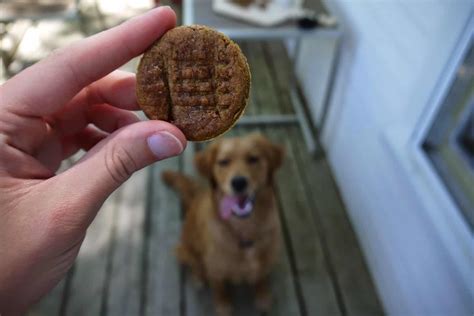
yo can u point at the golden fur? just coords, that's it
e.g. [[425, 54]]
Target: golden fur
[[212, 247]]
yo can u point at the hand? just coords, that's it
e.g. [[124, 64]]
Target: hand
[[70, 100]]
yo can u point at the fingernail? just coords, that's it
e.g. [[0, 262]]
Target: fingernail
[[163, 7], [164, 145]]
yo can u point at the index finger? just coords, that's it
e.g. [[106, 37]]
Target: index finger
[[46, 86]]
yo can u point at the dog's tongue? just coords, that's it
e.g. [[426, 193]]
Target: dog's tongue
[[239, 206]]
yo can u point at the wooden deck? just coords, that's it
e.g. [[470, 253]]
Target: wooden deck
[[126, 265]]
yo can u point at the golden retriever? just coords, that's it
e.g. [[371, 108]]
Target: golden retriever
[[231, 232]]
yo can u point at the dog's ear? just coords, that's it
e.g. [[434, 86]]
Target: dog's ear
[[204, 160], [274, 153]]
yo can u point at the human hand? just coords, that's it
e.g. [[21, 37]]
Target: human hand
[[68, 101]]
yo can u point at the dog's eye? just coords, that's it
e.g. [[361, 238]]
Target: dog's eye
[[223, 162], [253, 159]]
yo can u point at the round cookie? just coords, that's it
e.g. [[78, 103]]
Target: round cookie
[[195, 78]]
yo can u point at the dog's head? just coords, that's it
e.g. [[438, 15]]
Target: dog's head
[[239, 167]]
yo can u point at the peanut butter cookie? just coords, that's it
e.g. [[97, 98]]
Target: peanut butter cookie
[[195, 78]]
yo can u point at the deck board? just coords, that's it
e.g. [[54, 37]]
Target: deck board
[[313, 285], [352, 277], [90, 267], [352, 282], [251, 108], [125, 285], [314, 280], [264, 101], [263, 95], [279, 68], [198, 301], [282, 284], [163, 275]]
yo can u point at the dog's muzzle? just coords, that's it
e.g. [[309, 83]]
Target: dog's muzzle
[[240, 206]]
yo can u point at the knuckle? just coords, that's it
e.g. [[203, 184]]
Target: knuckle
[[73, 74], [119, 163]]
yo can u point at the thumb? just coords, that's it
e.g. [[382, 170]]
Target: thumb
[[112, 161]]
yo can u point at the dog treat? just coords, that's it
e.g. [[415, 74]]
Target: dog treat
[[195, 78]]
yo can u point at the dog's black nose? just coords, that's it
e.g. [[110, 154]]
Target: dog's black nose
[[239, 184]]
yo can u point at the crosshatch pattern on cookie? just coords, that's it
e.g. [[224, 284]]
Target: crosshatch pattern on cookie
[[199, 80]]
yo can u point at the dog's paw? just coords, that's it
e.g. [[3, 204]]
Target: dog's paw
[[263, 301]]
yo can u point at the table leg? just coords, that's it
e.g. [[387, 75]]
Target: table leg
[[297, 104], [332, 78]]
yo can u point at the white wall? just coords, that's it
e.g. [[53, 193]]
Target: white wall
[[313, 68], [396, 55]]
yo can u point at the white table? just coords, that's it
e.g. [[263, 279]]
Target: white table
[[200, 12]]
